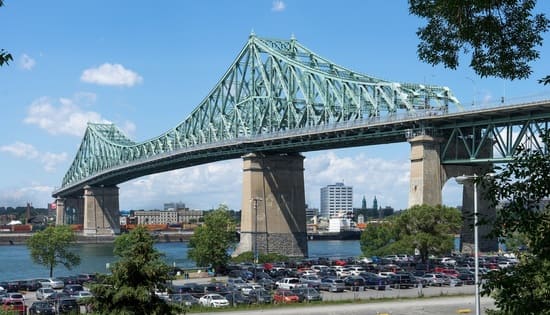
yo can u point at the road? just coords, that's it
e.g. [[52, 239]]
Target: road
[[426, 306]]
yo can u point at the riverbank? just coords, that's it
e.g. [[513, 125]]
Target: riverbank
[[21, 238]]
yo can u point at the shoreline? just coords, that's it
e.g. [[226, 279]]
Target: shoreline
[[21, 238]]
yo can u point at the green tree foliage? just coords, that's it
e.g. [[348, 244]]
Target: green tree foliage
[[139, 272], [377, 238], [522, 188], [430, 229], [51, 247], [501, 35], [5, 56], [211, 242]]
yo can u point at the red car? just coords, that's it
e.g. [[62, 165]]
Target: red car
[[14, 307], [285, 296]]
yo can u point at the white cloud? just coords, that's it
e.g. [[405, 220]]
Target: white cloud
[[48, 160], [388, 180], [206, 186], [111, 74], [20, 150], [200, 187], [64, 118], [36, 194], [51, 160], [129, 128], [278, 6], [26, 62]]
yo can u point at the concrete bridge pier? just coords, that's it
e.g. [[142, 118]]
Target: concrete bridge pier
[[273, 218], [101, 210], [428, 177], [69, 210]]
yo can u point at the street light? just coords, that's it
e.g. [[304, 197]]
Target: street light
[[462, 180], [256, 199]]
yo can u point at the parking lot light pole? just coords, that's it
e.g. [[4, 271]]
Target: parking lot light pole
[[462, 180]]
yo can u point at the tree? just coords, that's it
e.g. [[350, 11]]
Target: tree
[[377, 238], [430, 229], [51, 247], [501, 35], [520, 190], [5, 56], [139, 272], [211, 242]]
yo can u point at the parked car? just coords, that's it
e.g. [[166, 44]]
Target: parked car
[[260, 296], [66, 306], [434, 279], [43, 293], [237, 298], [374, 281], [307, 294], [354, 283], [13, 296], [82, 295], [57, 296], [14, 307], [402, 280], [267, 284], [213, 300], [53, 283], [186, 299], [311, 281], [85, 278], [332, 285], [29, 285], [41, 308], [71, 289], [236, 283], [285, 296]]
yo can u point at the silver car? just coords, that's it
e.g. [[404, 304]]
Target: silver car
[[43, 293]]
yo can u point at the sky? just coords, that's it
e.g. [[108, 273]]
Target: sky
[[145, 65]]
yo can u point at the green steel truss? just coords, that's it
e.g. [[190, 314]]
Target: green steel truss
[[273, 86]]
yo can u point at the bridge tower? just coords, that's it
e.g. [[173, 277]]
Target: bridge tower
[[273, 216], [428, 176]]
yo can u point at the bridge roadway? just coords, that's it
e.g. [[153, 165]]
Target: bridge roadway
[[374, 131]]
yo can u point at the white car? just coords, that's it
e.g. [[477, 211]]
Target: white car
[[213, 300], [53, 283], [43, 293]]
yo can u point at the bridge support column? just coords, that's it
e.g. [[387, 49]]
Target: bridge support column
[[426, 179], [69, 210], [273, 218], [101, 211]]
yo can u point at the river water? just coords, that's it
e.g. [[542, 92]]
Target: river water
[[15, 261]]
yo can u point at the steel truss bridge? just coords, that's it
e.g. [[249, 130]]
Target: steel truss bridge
[[280, 97]]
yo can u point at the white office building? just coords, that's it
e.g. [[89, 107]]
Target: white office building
[[336, 200]]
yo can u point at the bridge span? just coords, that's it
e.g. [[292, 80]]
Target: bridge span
[[279, 99]]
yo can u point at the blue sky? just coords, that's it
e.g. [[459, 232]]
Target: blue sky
[[145, 66]]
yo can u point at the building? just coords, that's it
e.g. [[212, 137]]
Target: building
[[167, 216], [336, 200]]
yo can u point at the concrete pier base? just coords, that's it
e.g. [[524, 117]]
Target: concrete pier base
[[273, 216], [101, 211]]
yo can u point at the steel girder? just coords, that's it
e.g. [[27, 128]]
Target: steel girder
[[273, 86]]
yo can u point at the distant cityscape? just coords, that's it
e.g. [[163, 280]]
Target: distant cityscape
[[336, 214]]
